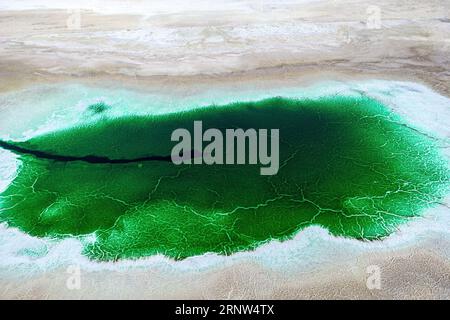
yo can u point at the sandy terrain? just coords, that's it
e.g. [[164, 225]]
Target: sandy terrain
[[420, 271], [259, 39], [180, 50]]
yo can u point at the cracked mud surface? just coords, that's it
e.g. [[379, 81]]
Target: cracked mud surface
[[184, 51], [347, 164]]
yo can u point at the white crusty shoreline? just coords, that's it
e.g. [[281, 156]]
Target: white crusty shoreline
[[194, 54], [312, 251]]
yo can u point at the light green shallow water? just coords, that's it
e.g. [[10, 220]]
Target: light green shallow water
[[347, 164]]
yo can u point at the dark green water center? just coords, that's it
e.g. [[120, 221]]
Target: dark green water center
[[346, 164]]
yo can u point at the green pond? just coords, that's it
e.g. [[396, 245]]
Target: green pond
[[347, 164]]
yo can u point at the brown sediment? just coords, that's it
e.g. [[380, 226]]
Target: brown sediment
[[37, 48]]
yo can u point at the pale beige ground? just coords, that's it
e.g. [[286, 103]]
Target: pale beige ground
[[266, 41], [266, 45], [415, 273]]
